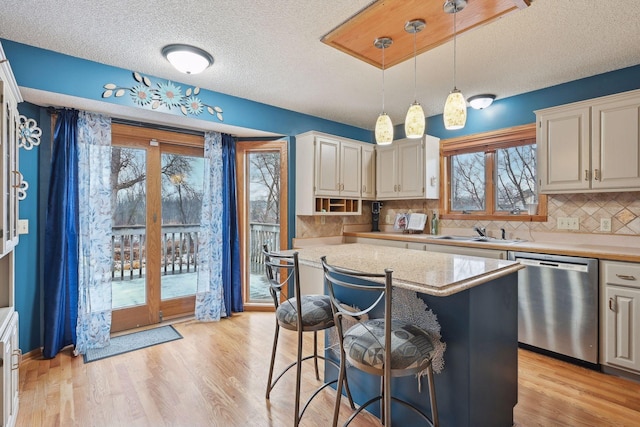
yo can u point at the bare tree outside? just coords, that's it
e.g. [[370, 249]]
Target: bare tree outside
[[515, 180], [468, 182], [265, 186]]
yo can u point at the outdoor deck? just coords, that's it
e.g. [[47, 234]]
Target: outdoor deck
[[179, 262]]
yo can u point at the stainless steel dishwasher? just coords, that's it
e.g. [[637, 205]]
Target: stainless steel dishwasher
[[558, 304]]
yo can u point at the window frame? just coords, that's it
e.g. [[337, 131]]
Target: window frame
[[488, 143]]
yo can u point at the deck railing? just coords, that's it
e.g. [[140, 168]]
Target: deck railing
[[179, 249]]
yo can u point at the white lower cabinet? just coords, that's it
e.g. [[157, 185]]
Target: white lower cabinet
[[10, 365], [621, 314]]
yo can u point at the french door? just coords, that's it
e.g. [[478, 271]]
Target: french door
[[262, 210], [157, 187]]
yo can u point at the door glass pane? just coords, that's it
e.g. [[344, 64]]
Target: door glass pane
[[264, 216], [516, 178], [467, 182], [128, 199], [182, 191]]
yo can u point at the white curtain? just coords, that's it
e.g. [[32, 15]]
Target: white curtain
[[94, 223], [209, 296]]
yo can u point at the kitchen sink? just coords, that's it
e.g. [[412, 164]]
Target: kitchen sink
[[485, 239]]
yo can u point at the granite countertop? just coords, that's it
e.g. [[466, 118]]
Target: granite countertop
[[622, 250], [431, 273]]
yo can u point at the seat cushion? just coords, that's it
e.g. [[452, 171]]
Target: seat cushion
[[411, 347], [316, 313]]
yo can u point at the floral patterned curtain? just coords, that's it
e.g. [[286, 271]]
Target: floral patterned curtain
[[209, 294], [94, 212]]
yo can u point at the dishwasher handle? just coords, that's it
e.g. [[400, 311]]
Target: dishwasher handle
[[554, 265]]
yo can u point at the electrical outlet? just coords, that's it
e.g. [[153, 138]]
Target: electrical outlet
[[568, 223], [323, 219], [573, 223], [605, 224], [387, 219], [561, 223], [23, 226]]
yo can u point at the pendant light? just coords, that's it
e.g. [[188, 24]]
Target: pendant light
[[455, 108], [414, 123], [384, 127]]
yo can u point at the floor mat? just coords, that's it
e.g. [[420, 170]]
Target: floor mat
[[134, 341]]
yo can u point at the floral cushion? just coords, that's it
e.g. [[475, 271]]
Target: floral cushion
[[316, 313], [411, 347]]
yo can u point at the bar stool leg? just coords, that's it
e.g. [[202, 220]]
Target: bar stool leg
[[298, 378], [432, 398], [315, 353], [273, 359]]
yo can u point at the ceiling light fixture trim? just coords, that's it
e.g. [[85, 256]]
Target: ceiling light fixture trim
[[187, 59], [480, 102], [415, 122]]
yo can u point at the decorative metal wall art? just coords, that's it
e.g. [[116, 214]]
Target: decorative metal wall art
[[28, 133], [147, 95]]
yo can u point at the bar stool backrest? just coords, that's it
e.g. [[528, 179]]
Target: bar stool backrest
[[282, 270]]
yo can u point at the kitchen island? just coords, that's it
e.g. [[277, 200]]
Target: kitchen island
[[476, 303]]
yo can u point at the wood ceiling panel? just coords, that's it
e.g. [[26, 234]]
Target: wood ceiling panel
[[387, 18]]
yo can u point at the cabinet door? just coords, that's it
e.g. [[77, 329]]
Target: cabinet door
[[350, 164], [327, 167], [564, 150], [368, 171], [622, 345], [386, 172], [411, 168], [615, 144], [4, 185]]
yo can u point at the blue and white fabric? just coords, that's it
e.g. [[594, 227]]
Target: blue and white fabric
[[209, 294], [94, 240]]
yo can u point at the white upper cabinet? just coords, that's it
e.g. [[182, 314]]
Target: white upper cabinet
[[590, 146], [408, 169], [368, 171], [338, 167], [329, 174], [615, 141]]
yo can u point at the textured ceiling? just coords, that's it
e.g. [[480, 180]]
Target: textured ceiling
[[270, 51]]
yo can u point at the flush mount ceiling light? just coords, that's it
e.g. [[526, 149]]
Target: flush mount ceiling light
[[479, 102], [384, 127], [455, 108], [414, 123], [187, 59]]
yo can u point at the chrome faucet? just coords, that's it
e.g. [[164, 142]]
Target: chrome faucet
[[482, 231]]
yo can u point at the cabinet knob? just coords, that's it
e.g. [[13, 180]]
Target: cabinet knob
[[612, 304]]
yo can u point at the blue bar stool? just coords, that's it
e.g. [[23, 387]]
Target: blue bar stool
[[301, 313], [368, 345]]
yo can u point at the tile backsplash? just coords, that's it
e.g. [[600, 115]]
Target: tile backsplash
[[622, 208]]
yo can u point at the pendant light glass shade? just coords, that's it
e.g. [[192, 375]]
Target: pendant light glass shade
[[455, 107], [384, 130], [455, 111], [384, 127], [414, 123]]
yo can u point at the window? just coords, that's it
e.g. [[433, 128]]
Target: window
[[492, 176]]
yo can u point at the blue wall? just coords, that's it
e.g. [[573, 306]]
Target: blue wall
[[50, 71]]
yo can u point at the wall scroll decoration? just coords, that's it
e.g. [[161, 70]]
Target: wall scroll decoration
[[146, 94], [28, 133], [22, 187]]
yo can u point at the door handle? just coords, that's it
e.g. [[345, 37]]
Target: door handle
[[586, 175], [597, 175], [612, 304], [625, 276]]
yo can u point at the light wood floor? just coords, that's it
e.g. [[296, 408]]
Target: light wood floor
[[216, 376]]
